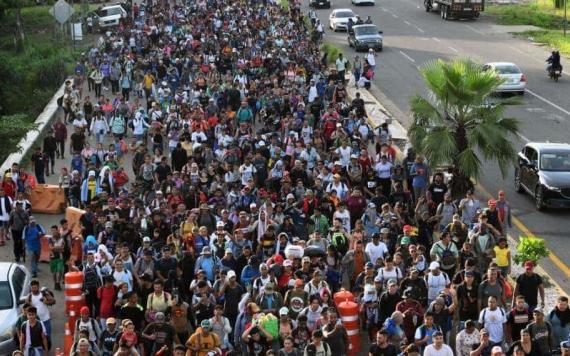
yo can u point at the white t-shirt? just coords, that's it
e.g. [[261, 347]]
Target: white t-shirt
[[436, 284], [43, 311], [383, 170], [344, 154], [493, 321], [445, 350], [376, 251], [345, 217]]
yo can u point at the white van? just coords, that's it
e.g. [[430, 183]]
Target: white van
[[110, 16]]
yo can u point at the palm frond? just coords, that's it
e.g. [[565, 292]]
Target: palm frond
[[469, 164]]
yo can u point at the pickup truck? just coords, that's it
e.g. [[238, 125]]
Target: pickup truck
[[364, 37]]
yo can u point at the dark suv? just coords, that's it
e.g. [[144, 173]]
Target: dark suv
[[543, 170]]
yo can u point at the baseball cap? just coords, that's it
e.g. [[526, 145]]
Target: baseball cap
[[110, 321], [220, 224], [230, 274], [108, 224], [528, 265], [369, 265], [146, 239], [299, 283], [159, 316], [284, 311], [84, 311], [392, 281], [206, 324], [434, 265], [538, 311]]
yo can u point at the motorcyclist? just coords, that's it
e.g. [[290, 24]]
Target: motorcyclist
[[554, 62]]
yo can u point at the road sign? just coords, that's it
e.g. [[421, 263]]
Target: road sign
[[62, 11]]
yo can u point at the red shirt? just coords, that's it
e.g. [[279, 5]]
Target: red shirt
[[107, 297]]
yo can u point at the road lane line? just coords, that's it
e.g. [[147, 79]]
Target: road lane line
[[395, 16], [436, 39], [548, 102], [453, 49], [525, 139], [419, 29], [474, 29], [408, 57], [407, 23], [385, 9]]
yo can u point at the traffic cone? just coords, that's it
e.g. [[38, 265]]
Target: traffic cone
[[68, 340], [58, 352]]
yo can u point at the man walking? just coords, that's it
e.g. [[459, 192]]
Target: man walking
[[50, 147], [39, 160], [32, 235], [18, 221]]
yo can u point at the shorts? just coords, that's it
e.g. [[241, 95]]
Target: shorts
[[56, 265]]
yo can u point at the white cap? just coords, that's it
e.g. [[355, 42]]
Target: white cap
[[146, 239], [230, 274], [283, 311], [434, 265], [92, 174], [220, 224]]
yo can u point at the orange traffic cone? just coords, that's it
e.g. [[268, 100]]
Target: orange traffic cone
[[68, 340]]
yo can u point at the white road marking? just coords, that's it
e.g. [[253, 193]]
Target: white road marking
[[454, 49], [395, 16], [525, 139], [535, 109], [517, 49], [407, 23], [547, 101], [418, 6], [419, 29], [436, 39], [385, 9], [474, 29], [408, 57]]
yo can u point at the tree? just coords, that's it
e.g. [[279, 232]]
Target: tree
[[12, 129], [456, 125], [19, 34]]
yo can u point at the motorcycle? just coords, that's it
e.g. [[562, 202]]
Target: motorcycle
[[554, 73]]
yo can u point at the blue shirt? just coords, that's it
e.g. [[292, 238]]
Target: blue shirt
[[32, 235]]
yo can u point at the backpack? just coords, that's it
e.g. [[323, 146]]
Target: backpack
[[340, 242], [90, 277], [92, 320], [447, 257], [485, 313]]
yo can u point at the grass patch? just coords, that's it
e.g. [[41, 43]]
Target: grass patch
[[538, 13], [284, 4], [552, 38]]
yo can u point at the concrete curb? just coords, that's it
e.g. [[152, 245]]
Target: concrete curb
[[43, 120]]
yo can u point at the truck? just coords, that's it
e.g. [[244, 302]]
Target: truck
[[455, 9]]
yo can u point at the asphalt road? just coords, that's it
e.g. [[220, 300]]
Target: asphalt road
[[413, 37]]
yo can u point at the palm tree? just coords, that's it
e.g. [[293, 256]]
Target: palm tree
[[455, 125]]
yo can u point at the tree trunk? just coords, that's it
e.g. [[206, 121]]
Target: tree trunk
[[19, 31], [460, 183], [558, 4]]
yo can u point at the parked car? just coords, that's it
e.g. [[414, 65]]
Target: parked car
[[14, 285], [514, 78], [324, 4], [110, 16], [364, 37], [338, 19], [543, 171]]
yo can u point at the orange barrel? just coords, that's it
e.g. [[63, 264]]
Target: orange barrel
[[67, 341], [349, 315], [73, 294], [343, 296]]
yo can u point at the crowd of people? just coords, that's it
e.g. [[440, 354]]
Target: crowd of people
[[257, 191]]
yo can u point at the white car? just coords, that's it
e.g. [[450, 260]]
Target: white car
[[338, 19], [110, 16], [363, 2], [14, 285], [514, 78]]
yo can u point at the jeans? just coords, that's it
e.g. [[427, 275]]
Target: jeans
[[99, 137], [34, 351], [18, 244], [47, 325], [34, 259]]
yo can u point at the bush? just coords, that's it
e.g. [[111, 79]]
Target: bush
[[530, 249], [12, 129], [527, 14], [331, 51]]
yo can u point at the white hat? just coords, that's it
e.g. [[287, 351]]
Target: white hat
[[92, 174], [284, 311], [146, 239], [220, 224], [434, 265], [230, 274]]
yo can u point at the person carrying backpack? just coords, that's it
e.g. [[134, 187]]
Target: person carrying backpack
[[89, 323], [446, 253], [494, 319]]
